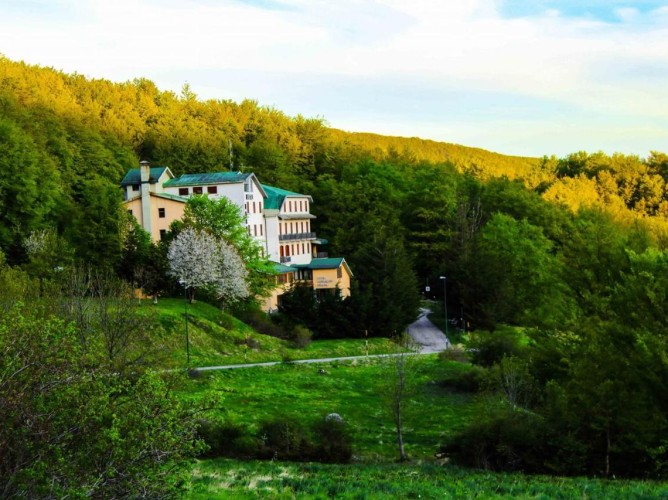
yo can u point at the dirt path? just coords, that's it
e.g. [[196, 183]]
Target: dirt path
[[427, 335]]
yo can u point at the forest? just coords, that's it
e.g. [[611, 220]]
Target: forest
[[574, 250]]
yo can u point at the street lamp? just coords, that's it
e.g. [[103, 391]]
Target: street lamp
[[445, 304], [185, 302]]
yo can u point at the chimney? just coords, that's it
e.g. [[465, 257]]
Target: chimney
[[145, 173], [145, 170]]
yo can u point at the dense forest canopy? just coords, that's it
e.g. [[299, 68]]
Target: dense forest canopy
[[573, 248]]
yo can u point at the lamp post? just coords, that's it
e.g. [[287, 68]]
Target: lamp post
[[185, 302], [445, 304]]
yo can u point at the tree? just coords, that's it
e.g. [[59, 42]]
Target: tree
[[198, 260], [225, 222], [398, 386], [70, 430], [516, 276]]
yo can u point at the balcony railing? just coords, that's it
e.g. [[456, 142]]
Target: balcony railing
[[296, 236], [320, 255]]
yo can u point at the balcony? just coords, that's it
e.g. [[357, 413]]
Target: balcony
[[296, 236], [285, 259], [320, 255]]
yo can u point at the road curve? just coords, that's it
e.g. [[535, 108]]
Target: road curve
[[424, 333]]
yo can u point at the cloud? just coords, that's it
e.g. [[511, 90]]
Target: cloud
[[595, 59]]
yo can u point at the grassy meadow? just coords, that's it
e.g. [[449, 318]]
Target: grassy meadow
[[254, 479], [357, 390], [217, 338]]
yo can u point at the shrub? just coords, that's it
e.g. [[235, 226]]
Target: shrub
[[333, 441], [506, 441], [301, 336], [473, 380], [220, 438], [286, 439], [262, 323], [488, 348], [454, 354]]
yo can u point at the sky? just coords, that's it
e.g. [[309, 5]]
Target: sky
[[520, 77]]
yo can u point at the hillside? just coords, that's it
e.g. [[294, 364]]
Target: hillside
[[217, 338]]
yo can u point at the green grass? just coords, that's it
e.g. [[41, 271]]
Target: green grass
[[217, 338], [234, 479], [355, 390]]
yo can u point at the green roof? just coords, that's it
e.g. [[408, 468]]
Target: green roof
[[134, 176], [326, 263], [275, 197], [171, 197], [281, 269], [210, 178]]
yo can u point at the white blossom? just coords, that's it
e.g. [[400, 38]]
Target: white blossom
[[198, 259]]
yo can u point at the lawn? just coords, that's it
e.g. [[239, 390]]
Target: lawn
[[234, 479], [217, 338], [356, 390]]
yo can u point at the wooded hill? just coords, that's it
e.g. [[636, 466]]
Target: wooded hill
[[574, 248]]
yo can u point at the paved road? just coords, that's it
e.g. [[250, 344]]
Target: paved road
[[422, 331], [296, 361], [427, 335]]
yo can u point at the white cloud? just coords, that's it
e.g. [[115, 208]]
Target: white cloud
[[581, 62]]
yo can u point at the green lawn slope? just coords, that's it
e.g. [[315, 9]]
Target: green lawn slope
[[218, 338]]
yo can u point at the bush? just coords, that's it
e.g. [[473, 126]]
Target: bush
[[473, 380], [262, 323], [507, 441], [489, 348], [454, 354], [333, 441], [219, 438], [301, 336], [286, 439]]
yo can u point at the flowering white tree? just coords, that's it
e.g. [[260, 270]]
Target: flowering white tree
[[232, 282], [198, 259]]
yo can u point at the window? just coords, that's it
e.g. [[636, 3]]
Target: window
[[135, 187], [287, 250], [130, 212], [212, 189], [303, 248], [248, 186], [184, 191], [253, 207], [261, 233], [254, 230], [161, 213], [339, 272], [301, 208], [247, 208], [259, 206], [197, 190], [163, 233]]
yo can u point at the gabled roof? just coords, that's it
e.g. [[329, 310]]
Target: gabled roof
[[276, 196], [209, 178], [172, 197], [167, 196], [325, 263], [134, 176]]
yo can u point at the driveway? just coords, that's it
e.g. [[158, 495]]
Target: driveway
[[424, 333]]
